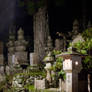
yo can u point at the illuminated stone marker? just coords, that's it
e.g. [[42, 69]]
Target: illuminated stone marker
[[72, 66]]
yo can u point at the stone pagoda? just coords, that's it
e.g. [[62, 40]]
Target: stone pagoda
[[20, 47]]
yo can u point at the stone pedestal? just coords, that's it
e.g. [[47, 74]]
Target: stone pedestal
[[21, 58]]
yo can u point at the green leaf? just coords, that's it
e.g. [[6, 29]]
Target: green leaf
[[83, 52]]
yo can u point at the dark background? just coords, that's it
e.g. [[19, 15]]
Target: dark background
[[60, 18]]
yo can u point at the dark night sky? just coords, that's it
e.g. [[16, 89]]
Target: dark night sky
[[61, 18]]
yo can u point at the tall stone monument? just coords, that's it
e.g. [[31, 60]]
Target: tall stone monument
[[75, 30], [1, 54], [11, 46], [41, 32], [2, 75], [20, 47], [59, 44]]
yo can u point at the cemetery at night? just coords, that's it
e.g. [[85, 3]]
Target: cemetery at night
[[45, 46]]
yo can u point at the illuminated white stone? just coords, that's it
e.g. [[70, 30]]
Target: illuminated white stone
[[48, 65], [67, 64]]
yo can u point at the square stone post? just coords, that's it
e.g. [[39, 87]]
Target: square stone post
[[33, 59], [72, 66]]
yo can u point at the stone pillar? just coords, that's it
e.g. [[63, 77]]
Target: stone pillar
[[75, 30], [41, 32], [33, 59], [2, 73], [49, 59], [72, 66], [59, 44], [20, 47], [11, 46], [89, 76], [1, 54]]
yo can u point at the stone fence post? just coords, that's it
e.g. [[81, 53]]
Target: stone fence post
[[72, 66]]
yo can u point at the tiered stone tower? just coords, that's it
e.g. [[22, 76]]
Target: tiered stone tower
[[20, 47]]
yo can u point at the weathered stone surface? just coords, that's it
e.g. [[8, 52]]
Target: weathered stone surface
[[75, 30], [41, 32], [21, 58], [47, 67], [1, 59], [59, 44], [21, 43], [78, 38], [20, 47], [33, 59], [2, 74], [62, 85], [7, 70], [10, 59], [72, 66], [40, 84], [17, 83], [1, 53], [1, 47]]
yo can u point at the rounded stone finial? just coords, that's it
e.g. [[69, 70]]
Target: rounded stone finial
[[20, 34], [20, 31], [75, 23]]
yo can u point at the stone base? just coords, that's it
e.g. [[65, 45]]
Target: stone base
[[21, 58], [2, 74], [40, 84], [1, 59], [33, 59]]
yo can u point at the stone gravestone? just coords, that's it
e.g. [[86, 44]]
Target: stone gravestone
[[59, 44], [41, 32], [72, 66], [40, 84], [11, 59], [33, 59], [11, 46], [1, 59], [2, 74], [1, 54], [20, 47]]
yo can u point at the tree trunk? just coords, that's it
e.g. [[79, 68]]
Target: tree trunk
[[41, 32]]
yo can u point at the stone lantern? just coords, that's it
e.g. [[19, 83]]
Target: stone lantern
[[49, 59], [72, 66]]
